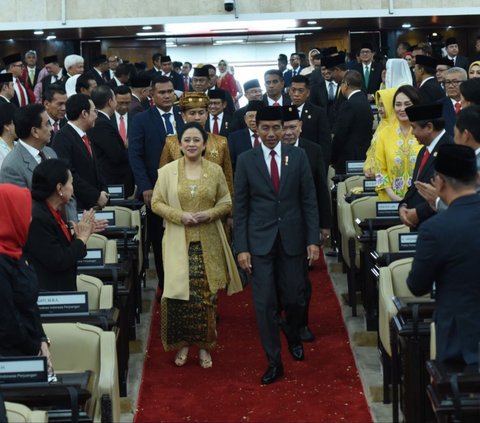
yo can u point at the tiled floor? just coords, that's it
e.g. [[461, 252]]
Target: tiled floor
[[363, 346]]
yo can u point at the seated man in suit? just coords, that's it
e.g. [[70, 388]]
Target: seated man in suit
[[33, 131], [245, 139], [72, 144], [218, 121], [445, 256], [425, 69], [428, 127], [353, 126], [275, 230], [292, 134], [109, 147]]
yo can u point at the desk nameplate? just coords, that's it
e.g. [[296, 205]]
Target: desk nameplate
[[63, 303]]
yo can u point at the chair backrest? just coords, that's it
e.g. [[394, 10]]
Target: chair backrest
[[100, 296], [76, 347], [363, 208], [109, 247], [387, 240], [123, 215], [19, 413], [354, 181], [400, 270]]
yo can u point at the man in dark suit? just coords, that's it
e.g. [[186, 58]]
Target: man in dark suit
[[156, 68], [275, 229], [56, 74], [370, 70], [247, 138], [30, 73], [428, 127], [353, 126], [451, 45], [6, 88], [274, 84], [292, 128], [121, 76], [425, 69], [185, 74], [141, 87], [14, 65], [296, 69], [72, 144], [85, 84], [252, 91], [166, 66], [315, 126], [33, 130], [99, 67], [446, 255], [146, 139], [54, 101], [218, 121], [121, 118], [454, 77], [110, 149]]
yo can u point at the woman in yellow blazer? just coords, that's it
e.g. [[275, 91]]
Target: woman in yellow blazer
[[191, 195]]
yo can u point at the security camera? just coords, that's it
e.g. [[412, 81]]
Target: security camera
[[229, 5]]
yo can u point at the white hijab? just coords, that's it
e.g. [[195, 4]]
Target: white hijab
[[398, 73]]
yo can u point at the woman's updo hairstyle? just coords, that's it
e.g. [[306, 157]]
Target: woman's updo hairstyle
[[46, 176]]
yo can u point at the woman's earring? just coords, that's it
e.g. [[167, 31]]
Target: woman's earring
[[61, 194]]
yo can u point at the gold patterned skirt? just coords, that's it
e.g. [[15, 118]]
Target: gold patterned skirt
[[191, 322]]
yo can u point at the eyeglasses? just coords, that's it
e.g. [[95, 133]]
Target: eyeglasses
[[454, 82]]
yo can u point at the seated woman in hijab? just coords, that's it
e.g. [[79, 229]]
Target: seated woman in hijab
[[51, 247], [21, 332]]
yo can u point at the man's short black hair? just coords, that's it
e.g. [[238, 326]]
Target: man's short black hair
[[161, 79], [156, 57], [124, 69], [82, 82], [273, 72], [101, 96], [301, 79], [353, 79], [7, 112], [26, 118], [469, 119], [122, 89], [52, 90], [76, 104], [470, 90]]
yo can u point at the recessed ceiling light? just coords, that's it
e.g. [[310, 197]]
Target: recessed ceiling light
[[312, 22], [406, 25], [51, 37], [146, 28], [434, 34], [300, 28], [228, 42], [149, 34], [39, 32]]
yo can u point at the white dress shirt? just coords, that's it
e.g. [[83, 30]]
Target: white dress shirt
[[32, 150], [171, 118], [268, 157]]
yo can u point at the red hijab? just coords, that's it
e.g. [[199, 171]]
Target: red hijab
[[15, 218]]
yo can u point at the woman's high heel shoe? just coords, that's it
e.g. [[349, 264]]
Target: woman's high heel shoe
[[205, 359], [181, 357]]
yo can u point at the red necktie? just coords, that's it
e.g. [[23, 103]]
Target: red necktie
[[122, 130], [274, 171], [256, 142], [23, 99], [458, 107], [215, 125], [185, 84], [276, 104], [87, 144], [425, 157]]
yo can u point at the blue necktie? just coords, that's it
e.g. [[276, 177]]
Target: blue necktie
[[168, 124]]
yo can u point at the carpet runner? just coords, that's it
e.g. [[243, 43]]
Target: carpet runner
[[323, 388]]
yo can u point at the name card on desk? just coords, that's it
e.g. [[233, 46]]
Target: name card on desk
[[387, 208], [117, 192], [23, 369], [369, 185], [407, 241], [354, 167], [93, 258], [102, 215], [63, 303]]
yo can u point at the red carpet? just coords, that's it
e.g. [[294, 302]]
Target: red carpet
[[323, 388]]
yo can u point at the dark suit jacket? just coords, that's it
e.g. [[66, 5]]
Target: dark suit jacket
[[288, 75], [431, 91], [111, 153], [315, 127], [47, 81], [238, 119], [238, 142], [21, 325], [136, 107], [352, 131], [146, 139], [316, 77], [445, 255], [97, 77], [53, 256], [316, 160], [319, 94], [225, 129], [449, 115], [412, 198], [87, 179], [230, 109], [375, 78], [462, 62], [261, 214]]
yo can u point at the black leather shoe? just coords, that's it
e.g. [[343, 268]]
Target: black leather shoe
[[296, 350], [272, 374], [306, 334]]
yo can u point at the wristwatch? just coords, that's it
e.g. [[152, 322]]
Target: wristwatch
[[45, 339]]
